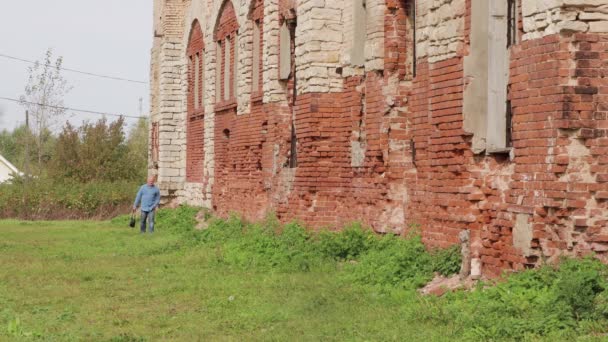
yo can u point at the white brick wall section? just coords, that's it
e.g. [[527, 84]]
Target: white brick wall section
[[542, 18], [440, 28]]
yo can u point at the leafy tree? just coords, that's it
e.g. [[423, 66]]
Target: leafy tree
[[8, 146], [12, 147], [100, 151], [43, 98], [138, 148], [65, 162]]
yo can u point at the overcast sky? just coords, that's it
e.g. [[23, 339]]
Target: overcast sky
[[111, 37]]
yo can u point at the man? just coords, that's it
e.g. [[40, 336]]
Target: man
[[149, 198]]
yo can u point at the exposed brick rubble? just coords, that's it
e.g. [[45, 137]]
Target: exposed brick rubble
[[345, 124]]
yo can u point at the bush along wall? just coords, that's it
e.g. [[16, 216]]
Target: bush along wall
[[45, 199]]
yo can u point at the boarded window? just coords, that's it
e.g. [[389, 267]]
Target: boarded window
[[257, 51], [202, 79], [284, 52], [218, 72], [498, 77], [235, 73], [227, 53], [190, 78], [487, 112], [357, 55], [197, 80]]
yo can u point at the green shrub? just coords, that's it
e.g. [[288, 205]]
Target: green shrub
[[578, 284], [256, 246], [553, 303], [395, 261], [347, 244], [447, 261], [43, 198], [550, 301]]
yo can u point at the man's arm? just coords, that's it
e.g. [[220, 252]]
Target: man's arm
[[157, 201], [137, 199]]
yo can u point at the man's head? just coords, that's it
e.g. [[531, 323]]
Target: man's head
[[151, 180]]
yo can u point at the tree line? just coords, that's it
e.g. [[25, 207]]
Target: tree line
[[95, 151]]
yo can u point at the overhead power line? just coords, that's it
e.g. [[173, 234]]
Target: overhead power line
[[78, 71], [73, 109]]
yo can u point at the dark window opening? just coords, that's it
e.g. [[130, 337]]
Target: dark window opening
[[227, 133], [512, 23], [509, 142], [293, 155], [413, 149]]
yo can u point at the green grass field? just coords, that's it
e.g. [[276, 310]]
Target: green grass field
[[92, 281], [96, 281]]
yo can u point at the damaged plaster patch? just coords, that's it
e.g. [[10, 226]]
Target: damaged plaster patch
[[579, 168], [285, 186], [357, 153], [522, 234]]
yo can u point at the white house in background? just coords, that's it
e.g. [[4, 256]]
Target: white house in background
[[7, 170]]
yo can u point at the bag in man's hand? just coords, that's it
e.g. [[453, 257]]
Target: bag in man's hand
[[132, 221]]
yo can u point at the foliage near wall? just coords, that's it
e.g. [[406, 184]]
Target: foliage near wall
[[91, 171], [553, 303], [46, 199]]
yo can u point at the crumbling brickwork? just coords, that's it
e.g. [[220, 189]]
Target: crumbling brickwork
[[452, 115]]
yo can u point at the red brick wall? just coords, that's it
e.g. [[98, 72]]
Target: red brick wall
[[195, 135], [398, 37], [558, 93], [417, 165]]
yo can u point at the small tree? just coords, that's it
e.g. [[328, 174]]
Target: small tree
[[66, 160], [12, 146], [138, 149], [43, 98], [99, 152]]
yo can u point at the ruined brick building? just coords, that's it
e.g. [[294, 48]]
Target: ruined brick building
[[488, 116]]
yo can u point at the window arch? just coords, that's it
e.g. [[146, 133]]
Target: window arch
[[226, 38], [195, 54]]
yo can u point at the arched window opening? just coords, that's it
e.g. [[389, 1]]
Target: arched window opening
[[226, 37], [257, 56], [195, 54], [195, 108]]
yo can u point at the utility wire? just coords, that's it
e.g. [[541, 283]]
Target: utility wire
[[78, 71], [74, 109]]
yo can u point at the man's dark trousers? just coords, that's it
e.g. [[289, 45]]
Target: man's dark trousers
[[147, 215]]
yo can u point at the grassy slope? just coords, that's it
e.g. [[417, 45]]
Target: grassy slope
[[96, 281]]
